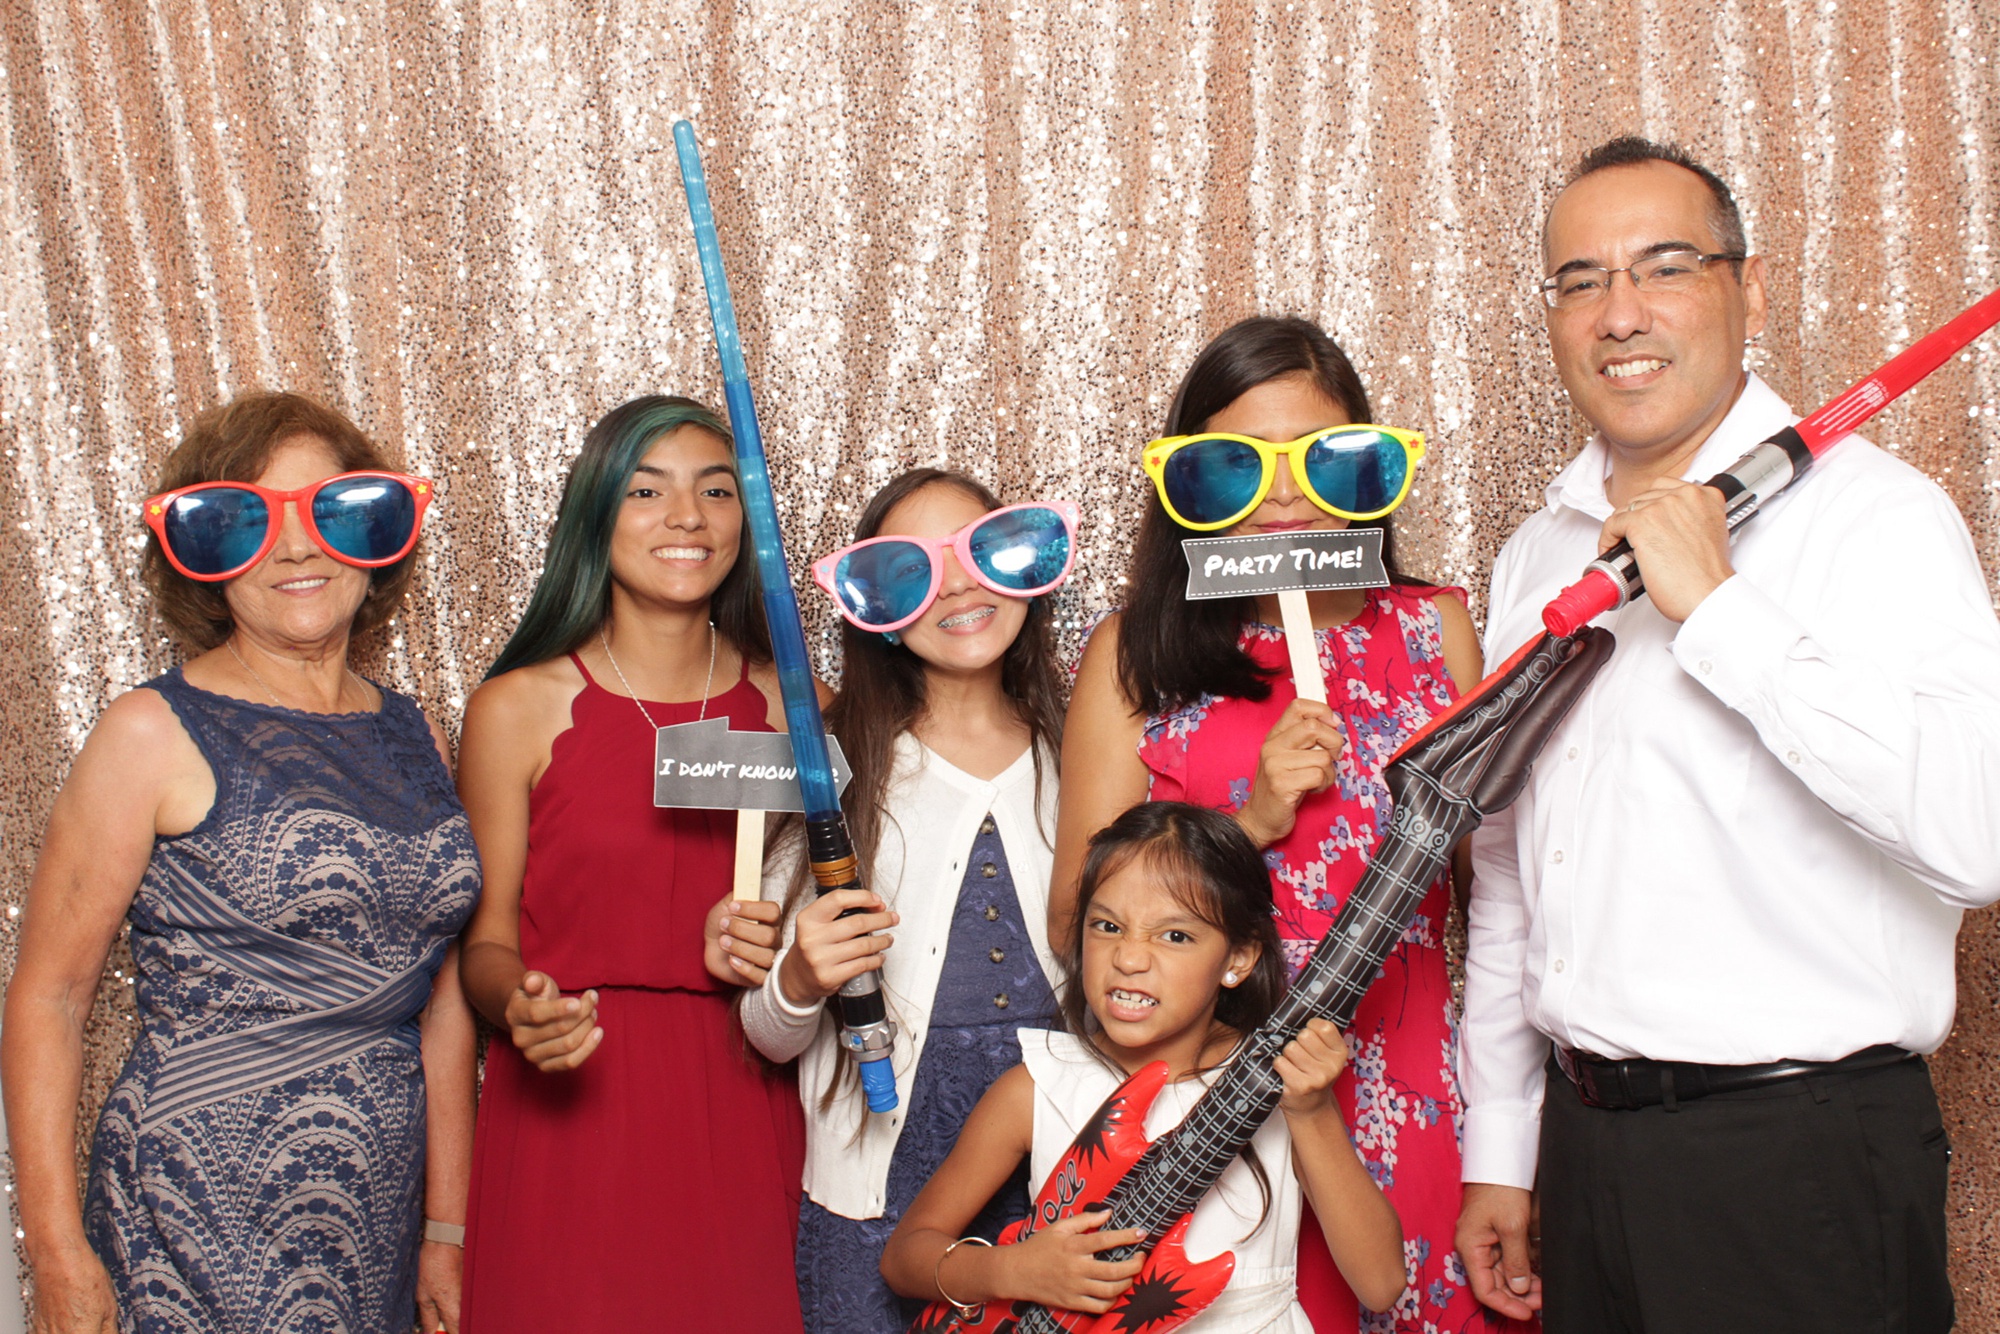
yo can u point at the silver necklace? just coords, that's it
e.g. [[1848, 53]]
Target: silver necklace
[[231, 646], [706, 686]]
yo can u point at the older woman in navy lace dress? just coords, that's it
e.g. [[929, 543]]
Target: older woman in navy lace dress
[[283, 837]]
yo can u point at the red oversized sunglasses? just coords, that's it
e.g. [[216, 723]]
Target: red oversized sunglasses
[[213, 531]]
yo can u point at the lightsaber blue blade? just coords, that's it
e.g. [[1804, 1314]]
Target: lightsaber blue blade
[[866, 1031]]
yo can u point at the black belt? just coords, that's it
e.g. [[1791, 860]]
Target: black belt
[[1628, 1085]]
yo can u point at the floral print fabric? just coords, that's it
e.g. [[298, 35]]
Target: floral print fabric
[[1386, 678]]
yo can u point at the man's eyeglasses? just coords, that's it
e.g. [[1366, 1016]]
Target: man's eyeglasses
[[1668, 271]]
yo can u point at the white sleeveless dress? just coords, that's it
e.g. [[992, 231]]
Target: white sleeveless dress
[[1071, 1083]]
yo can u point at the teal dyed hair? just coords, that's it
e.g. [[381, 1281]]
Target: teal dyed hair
[[573, 596]]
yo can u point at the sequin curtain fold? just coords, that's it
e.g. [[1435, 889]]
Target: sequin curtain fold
[[978, 235]]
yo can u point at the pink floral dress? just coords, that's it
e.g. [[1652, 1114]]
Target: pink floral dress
[[1385, 678]]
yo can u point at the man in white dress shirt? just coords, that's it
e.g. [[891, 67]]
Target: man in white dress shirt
[[1729, 895]]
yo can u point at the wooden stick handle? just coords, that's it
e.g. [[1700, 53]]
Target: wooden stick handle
[[749, 879], [1302, 644]]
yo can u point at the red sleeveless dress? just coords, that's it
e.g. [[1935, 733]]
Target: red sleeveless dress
[[1385, 678], [656, 1186]]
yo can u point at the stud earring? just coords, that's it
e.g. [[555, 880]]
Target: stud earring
[[891, 637], [1229, 978]]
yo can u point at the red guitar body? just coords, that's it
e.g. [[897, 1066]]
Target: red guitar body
[[1167, 1293]]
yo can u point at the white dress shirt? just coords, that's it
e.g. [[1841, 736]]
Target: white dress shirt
[[1753, 838], [932, 813]]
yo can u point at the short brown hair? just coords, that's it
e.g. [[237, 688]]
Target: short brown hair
[[234, 443]]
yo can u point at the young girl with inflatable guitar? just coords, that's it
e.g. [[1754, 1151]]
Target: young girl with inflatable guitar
[[1174, 958]]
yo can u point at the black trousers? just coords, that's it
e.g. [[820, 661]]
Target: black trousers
[[1816, 1205]]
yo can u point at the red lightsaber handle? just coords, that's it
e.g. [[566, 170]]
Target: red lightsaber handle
[[1613, 579]]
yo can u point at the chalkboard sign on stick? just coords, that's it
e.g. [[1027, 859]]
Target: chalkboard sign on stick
[[1290, 565], [707, 766]]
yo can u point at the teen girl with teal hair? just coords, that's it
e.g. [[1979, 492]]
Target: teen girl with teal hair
[[623, 1129]]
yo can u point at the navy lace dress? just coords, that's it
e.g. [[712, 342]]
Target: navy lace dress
[[991, 987], [259, 1163]]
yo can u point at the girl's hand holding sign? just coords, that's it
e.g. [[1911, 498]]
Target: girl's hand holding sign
[[1297, 759]]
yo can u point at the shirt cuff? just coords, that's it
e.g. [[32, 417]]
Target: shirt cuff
[[1736, 642], [1501, 1146]]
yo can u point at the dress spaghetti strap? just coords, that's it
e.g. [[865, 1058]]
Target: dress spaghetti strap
[[588, 679]]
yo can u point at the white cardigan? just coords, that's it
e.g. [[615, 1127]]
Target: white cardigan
[[932, 814]]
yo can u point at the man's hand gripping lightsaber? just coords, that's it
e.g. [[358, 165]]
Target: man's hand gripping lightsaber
[[866, 1031], [1613, 579]]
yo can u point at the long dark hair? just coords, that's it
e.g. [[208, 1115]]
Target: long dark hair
[[573, 594], [1172, 651], [882, 695], [882, 684], [1215, 871]]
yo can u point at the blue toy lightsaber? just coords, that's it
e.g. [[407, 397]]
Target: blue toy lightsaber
[[865, 1028]]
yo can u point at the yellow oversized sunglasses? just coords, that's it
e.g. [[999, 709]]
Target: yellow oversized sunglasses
[[1214, 479]]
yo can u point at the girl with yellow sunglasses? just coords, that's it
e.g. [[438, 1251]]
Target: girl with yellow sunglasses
[[1194, 701]]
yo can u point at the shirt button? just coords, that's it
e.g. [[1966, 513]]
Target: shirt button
[[1000, 1001], [1574, 752], [1556, 856], [992, 913], [986, 826], [997, 954], [1559, 965], [1792, 755], [1706, 666], [989, 870]]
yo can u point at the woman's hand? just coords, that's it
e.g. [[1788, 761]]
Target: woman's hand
[[1297, 759], [1309, 1064], [440, 1268], [739, 940], [1058, 1265], [828, 950], [73, 1295], [554, 1031]]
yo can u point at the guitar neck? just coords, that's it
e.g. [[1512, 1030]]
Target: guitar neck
[[1171, 1177]]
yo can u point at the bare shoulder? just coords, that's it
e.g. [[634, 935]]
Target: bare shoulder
[[140, 727], [526, 694], [1457, 619], [1462, 656], [519, 714], [139, 762], [1097, 670], [1102, 642], [1017, 1085], [1007, 1111]]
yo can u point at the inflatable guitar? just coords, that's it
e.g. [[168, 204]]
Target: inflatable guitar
[[1469, 762]]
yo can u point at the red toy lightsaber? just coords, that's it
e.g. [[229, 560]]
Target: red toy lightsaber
[[1613, 579]]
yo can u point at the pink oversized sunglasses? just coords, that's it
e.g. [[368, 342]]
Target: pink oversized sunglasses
[[1019, 551]]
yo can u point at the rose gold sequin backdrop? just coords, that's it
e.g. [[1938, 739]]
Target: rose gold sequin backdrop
[[958, 233]]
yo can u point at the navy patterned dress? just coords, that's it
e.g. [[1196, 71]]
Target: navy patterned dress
[[991, 987], [259, 1164]]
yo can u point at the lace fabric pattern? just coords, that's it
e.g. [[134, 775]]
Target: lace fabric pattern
[[972, 1041], [259, 1163]]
